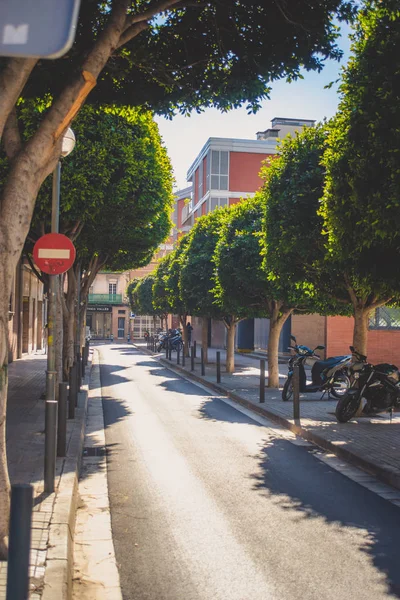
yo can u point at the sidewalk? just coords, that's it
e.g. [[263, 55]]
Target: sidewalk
[[372, 444], [25, 453]]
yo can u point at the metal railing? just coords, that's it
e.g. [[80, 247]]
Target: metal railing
[[105, 298]]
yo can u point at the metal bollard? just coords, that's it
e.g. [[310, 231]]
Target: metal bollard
[[83, 362], [62, 419], [72, 396], [203, 367], [183, 354], [192, 358], [296, 392], [178, 353], [218, 367], [50, 445], [195, 348], [262, 380], [166, 348], [78, 375], [19, 542], [86, 353], [170, 351]]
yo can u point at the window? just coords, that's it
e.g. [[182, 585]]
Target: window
[[385, 318], [121, 312], [217, 178], [112, 289], [216, 203]]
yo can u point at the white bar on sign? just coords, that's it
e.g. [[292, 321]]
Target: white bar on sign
[[53, 253]]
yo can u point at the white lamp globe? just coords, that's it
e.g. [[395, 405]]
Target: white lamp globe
[[68, 142]]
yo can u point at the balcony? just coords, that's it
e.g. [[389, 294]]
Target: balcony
[[105, 298]]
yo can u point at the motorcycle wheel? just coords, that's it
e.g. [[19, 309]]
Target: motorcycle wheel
[[287, 392], [347, 407], [343, 382]]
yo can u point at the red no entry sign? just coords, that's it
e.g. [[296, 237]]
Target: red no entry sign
[[54, 253]]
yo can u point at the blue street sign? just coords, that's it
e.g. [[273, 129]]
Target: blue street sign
[[42, 28]]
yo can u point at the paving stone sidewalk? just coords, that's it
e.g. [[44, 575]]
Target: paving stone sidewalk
[[25, 453], [370, 443]]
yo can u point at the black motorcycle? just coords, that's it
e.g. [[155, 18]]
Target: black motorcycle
[[377, 385], [330, 375]]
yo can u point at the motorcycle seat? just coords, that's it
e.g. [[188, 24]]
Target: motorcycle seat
[[329, 363]]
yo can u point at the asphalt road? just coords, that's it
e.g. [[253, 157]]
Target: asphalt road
[[207, 504]]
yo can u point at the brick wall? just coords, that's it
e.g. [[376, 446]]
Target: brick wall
[[383, 346], [243, 171], [309, 330]]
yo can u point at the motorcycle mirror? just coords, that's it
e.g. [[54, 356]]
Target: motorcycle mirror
[[320, 348], [293, 338], [352, 348]]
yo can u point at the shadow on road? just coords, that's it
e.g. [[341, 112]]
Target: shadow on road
[[302, 494]]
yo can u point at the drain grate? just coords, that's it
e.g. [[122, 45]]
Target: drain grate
[[95, 451]]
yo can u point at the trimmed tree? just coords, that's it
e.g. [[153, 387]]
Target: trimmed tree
[[361, 201], [244, 284], [140, 294], [197, 272], [293, 245]]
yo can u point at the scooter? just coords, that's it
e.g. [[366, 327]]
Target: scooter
[[330, 375]]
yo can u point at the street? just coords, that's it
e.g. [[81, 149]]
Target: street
[[207, 503]]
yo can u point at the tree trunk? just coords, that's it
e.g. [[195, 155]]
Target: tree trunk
[[4, 479], [83, 324], [204, 338], [230, 347], [276, 323], [182, 320], [360, 332], [59, 337]]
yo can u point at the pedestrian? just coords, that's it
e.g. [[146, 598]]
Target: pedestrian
[[189, 330]]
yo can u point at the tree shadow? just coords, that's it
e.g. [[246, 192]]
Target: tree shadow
[[109, 375], [310, 489], [304, 487]]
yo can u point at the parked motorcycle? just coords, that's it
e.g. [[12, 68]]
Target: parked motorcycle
[[173, 337], [330, 375], [377, 385]]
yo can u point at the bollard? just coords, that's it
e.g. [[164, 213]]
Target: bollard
[[170, 351], [296, 392], [262, 380], [62, 418], [218, 367], [83, 362], [86, 353], [19, 542], [72, 396], [178, 353], [183, 354], [50, 445], [166, 348], [192, 358], [195, 348], [203, 367], [78, 375]]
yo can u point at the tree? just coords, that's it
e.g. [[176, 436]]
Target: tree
[[196, 281], [140, 294], [361, 201], [119, 175], [140, 50], [167, 297], [295, 260]]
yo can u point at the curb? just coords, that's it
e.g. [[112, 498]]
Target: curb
[[60, 553], [386, 475]]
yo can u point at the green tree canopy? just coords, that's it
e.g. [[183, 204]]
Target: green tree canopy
[[198, 53], [361, 202]]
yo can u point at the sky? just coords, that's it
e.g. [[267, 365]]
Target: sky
[[184, 137]]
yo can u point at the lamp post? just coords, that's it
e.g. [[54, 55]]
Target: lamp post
[[51, 417], [68, 144]]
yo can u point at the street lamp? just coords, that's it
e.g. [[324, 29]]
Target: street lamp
[[68, 143]]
